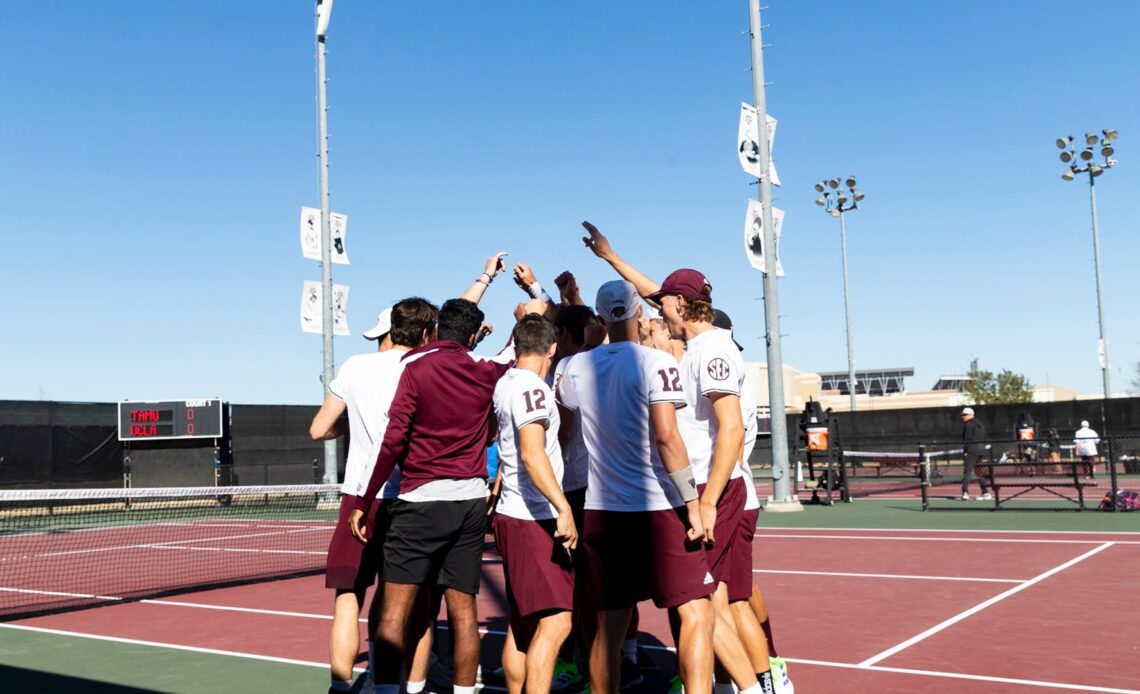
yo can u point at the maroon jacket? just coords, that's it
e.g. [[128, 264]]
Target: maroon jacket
[[439, 420]]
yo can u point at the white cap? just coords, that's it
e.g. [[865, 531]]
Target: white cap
[[617, 301], [383, 326], [968, 410], [1085, 423]]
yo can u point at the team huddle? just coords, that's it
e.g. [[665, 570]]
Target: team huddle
[[623, 444]]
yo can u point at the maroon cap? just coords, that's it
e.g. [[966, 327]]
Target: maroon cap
[[687, 283]]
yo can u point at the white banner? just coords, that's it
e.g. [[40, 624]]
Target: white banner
[[748, 143], [754, 237], [311, 305], [311, 235]]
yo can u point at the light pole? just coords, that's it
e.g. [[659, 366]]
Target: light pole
[[781, 488], [836, 203], [324, 13], [1070, 156]]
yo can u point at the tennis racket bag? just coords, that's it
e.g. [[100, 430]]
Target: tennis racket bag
[[1126, 500]]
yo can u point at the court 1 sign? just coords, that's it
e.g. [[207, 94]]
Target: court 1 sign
[[154, 420]]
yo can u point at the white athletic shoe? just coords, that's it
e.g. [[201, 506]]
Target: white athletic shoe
[[986, 497], [965, 496], [781, 683]]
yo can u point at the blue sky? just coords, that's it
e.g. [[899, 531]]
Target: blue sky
[[157, 154]]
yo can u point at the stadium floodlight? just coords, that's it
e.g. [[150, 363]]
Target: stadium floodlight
[[836, 206], [820, 186], [1086, 165], [1063, 142], [1067, 155]]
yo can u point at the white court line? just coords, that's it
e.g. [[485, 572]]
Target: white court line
[[981, 606], [964, 530], [31, 591], [858, 575], [964, 676], [231, 608], [157, 545], [1010, 540]]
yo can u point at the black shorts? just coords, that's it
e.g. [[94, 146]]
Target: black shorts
[[437, 543]]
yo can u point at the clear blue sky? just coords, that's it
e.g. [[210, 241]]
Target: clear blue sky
[[156, 156]]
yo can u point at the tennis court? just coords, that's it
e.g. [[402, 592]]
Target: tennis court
[[855, 607]]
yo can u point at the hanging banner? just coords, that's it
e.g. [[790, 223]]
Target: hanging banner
[[311, 235], [311, 304], [754, 237], [748, 143]]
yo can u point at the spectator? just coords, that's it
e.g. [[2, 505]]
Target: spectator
[[974, 445], [1085, 441]]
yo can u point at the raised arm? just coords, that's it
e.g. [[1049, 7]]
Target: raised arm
[[492, 267], [568, 291], [600, 246]]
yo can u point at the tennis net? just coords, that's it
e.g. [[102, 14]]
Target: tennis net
[[73, 548]]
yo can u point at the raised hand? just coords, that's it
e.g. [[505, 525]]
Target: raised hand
[[495, 264], [596, 242], [524, 276]]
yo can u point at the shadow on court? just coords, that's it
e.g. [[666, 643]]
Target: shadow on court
[[19, 679]]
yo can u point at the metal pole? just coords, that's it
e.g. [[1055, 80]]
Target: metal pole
[[782, 498], [1102, 347], [326, 249], [847, 310]]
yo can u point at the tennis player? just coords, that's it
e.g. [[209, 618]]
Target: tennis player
[[534, 524], [363, 388], [642, 526]]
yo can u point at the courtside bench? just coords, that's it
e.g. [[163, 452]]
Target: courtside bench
[[1048, 476]]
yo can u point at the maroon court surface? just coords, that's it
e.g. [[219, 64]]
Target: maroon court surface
[[852, 610]]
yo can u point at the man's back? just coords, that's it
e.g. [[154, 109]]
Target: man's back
[[439, 419], [366, 383], [610, 389]]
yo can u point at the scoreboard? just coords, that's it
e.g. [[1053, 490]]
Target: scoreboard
[[153, 420]]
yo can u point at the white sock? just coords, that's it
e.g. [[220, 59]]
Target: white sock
[[372, 656], [754, 689], [629, 650], [722, 688], [463, 690], [415, 687]]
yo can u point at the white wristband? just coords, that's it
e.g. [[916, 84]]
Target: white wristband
[[535, 291]]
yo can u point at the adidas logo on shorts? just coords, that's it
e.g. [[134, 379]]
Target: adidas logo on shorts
[[708, 578]]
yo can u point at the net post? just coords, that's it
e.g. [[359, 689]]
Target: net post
[[923, 476]]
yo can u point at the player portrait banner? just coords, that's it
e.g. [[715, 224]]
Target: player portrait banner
[[311, 235], [311, 302], [748, 143], [754, 237]]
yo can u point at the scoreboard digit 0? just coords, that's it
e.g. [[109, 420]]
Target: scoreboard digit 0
[[155, 420]]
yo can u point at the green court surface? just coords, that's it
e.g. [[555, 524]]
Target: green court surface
[[40, 662]]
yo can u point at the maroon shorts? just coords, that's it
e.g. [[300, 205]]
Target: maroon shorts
[[539, 571], [728, 510], [351, 565], [633, 556], [740, 575]]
